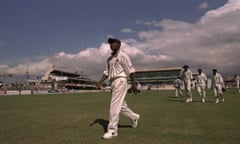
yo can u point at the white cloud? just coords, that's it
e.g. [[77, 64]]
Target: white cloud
[[212, 42], [203, 6], [127, 30], [39, 67], [3, 69], [231, 6]]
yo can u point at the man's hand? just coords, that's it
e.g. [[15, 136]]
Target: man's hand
[[223, 89], [99, 84]]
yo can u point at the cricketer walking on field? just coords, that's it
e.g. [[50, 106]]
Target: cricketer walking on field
[[201, 84], [218, 86], [187, 77], [178, 87], [237, 79], [118, 68]]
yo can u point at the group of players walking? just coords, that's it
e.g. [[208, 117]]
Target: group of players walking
[[184, 84]]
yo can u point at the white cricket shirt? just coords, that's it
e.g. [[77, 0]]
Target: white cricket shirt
[[118, 65], [201, 78]]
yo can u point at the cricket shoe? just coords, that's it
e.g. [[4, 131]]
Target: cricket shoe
[[188, 100], [135, 121], [217, 101], [110, 134]]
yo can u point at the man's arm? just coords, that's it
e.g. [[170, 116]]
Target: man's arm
[[99, 83]]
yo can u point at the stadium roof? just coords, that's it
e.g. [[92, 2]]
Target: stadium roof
[[158, 69], [65, 72]]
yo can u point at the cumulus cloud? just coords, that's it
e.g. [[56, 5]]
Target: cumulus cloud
[[211, 42], [231, 7]]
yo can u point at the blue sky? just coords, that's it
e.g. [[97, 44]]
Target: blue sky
[[38, 32]]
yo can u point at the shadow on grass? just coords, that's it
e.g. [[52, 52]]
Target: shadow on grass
[[176, 99], [124, 126], [104, 124], [181, 99]]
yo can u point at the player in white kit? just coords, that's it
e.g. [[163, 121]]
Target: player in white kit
[[201, 84], [178, 87], [218, 86], [187, 77], [118, 68], [237, 79]]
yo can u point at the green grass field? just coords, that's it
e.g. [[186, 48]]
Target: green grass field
[[81, 119]]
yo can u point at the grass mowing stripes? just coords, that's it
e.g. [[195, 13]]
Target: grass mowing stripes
[[80, 118]]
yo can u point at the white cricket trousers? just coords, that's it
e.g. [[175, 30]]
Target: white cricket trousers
[[178, 92], [188, 88], [201, 89], [118, 104], [217, 89]]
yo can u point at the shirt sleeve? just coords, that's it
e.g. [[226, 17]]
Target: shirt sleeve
[[127, 64], [221, 80], [205, 77], [191, 76]]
